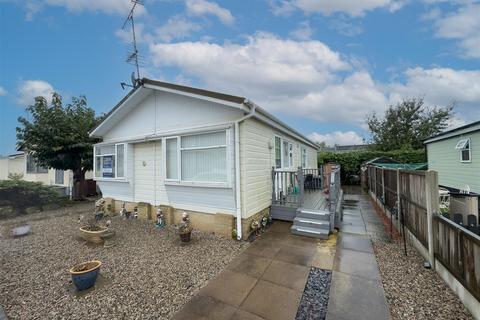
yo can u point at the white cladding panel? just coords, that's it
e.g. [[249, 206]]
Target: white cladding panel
[[257, 159], [162, 111]]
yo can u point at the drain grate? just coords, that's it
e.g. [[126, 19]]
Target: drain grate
[[313, 305]]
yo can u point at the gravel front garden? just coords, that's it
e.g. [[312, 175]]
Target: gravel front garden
[[147, 274]]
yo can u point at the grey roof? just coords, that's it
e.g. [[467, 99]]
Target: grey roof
[[452, 130]]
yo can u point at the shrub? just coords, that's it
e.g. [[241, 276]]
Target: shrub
[[351, 162], [22, 194]]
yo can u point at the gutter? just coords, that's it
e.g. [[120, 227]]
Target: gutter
[[238, 193]]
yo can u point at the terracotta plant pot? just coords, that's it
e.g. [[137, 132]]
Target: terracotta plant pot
[[84, 275], [185, 237], [93, 236]]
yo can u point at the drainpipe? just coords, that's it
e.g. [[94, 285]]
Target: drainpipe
[[237, 167]]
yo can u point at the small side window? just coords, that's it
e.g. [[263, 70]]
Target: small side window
[[466, 152]]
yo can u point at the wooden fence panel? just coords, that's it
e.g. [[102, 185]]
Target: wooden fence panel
[[414, 203], [459, 251], [390, 179]]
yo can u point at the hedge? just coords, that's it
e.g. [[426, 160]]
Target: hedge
[[350, 162], [21, 194]]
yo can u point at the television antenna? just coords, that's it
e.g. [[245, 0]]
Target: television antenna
[[133, 55]]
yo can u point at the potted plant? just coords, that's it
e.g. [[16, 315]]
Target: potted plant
[[93, 232], [85, 274], [184, 228]]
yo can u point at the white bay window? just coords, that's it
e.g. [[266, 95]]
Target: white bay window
[[110, 161], [199, 158]]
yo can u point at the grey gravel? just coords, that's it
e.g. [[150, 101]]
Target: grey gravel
[[412, 291], [147, 274], [313, 305]]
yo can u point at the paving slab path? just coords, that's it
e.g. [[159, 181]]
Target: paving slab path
[[268, 279], [356, 291]]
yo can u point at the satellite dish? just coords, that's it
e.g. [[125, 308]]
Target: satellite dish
[[133, 80]]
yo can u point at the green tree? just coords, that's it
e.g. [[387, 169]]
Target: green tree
[[58, 136], [407, 124]]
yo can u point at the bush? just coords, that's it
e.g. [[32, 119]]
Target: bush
[[351, 161], [22, 194]]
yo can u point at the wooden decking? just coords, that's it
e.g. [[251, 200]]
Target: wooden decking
[[315, 200]]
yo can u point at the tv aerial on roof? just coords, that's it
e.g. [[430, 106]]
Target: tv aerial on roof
[[133, 55]]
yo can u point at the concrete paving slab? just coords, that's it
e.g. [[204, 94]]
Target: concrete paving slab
[[272, 301], [356, 263], [353, 297], [265, 249], [286, 274], [244, 315], [349, 228], [355, 242], [250, 265], [205, 307], [296, 255], [229, 287]]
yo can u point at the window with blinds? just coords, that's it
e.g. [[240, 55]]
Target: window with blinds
[[197, 158]]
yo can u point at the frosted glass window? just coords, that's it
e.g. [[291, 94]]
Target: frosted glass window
[[120, 160], [102, 150], [172, 158], [204, 140], [304, 157]]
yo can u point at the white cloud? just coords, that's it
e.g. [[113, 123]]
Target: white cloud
[[328, 7], [203, 7], [439, 86], [120, 7], [3, 92], [295, 77], [337, 138], [462, 25], [303, 32], [29, 89], [176, 27], [345, 27]]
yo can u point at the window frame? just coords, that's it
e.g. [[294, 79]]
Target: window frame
[[290, 153], [469, 144], [179, 181], [115, 156], [37, 167], [303, 156]]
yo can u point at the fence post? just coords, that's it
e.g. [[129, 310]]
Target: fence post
[[431, 192], [399, 202]]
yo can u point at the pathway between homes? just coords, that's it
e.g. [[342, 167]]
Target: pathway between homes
[[356, 290], [268, 279]]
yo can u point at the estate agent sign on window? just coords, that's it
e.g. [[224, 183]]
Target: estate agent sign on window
[[107, 167]]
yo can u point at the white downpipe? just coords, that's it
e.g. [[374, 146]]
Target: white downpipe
[[237, 169]]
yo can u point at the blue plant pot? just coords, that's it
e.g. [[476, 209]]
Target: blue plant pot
[[85, 274]]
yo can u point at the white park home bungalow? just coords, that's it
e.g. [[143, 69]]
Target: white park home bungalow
[[188, 149]]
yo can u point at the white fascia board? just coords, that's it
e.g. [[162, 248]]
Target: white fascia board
[[453, 134], [240, 106], [94, 133]]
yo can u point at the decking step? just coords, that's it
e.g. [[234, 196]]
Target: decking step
[[313, 214], [312, 223], [309, 232]]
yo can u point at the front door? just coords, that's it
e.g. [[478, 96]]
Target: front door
[[59, 174]]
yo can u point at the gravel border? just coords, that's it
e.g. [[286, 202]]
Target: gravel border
[[313, 305], [148, 274]]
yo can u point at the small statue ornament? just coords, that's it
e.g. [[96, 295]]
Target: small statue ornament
[[184, 228], [135, 213], [123, 212], [160, 219]]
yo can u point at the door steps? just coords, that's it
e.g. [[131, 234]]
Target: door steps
[[311, 223]]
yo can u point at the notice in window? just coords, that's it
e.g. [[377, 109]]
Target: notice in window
[[107, 167]]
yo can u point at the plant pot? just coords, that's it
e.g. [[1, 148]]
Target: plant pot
[[93, 236], [85, 274], [185, 237]]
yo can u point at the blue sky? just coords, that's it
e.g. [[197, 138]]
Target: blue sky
[[321, 66]]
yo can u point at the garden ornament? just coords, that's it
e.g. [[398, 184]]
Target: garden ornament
[[135, 213], [160, 219]]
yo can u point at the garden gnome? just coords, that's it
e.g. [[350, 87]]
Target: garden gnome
[[123, 211], [160, 219], [135, 213], [185, 220]]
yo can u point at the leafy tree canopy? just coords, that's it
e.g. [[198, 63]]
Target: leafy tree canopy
[[58, 135], [407, 124]]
